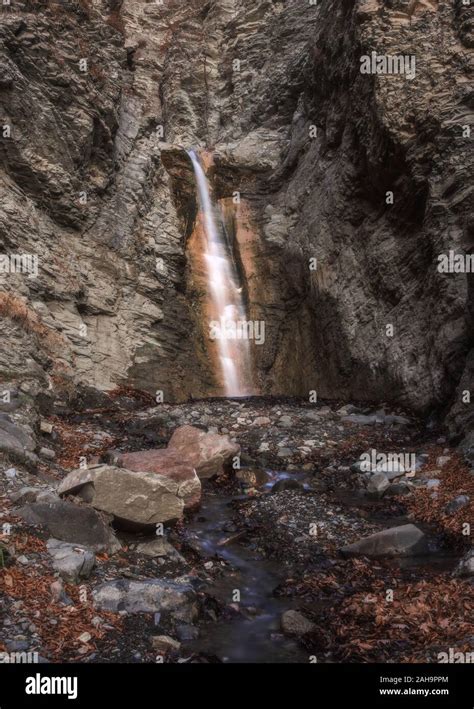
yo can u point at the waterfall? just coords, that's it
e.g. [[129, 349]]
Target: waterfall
[[224, 292]]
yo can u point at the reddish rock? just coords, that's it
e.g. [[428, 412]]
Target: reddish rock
[[208, 453], [169, 464]]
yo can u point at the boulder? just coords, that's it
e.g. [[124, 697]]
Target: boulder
[[294, 623], [406, 540], [208, 453], [159, 547], [135, 499], [16, 441], [286, 484], [33, 494], [457, 504], [151, 596], [252, 477], [261, 421], [164, 644], [397, 489], [378, 483], [15, 437], [71, 523], [73, 562], [465, 568], [169, 464]]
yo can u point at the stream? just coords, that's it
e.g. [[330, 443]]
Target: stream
[[254, 635]]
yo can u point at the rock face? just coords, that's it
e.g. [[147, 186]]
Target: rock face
[[208, 453], [133, 498], [71, 523], [367, 174], [406, 540]]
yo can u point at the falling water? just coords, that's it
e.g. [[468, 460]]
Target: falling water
[[224, 291]]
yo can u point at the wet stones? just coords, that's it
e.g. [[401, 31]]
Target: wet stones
[[286, 484], [406, 540], [295, 624]]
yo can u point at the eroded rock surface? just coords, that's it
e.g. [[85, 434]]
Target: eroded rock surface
[[98, 187]]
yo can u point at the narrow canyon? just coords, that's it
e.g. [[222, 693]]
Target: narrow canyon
[[236, 332]]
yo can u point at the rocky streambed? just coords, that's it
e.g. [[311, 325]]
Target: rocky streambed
[[259, 530]]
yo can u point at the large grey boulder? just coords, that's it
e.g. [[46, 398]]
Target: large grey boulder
[[151, 596], [406, 540], [71, 523], [135, 499], [73, 562]]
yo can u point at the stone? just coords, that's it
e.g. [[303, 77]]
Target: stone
[[406, 540], [296, 624], [71, 523], [253, 477], [151, 596], [397, 490], [457, 504], [209, 453], [284, 452], [46, 427], [360, 419], [135, 499], [187, 632], [286, 484], [465, 567], [164, 644], [15, 439], [31, 494], [261, 421], [442, 460], [378, 483], [71, 561], [346, 410], [313, 416], [159, 547], [170, 464], [47, 453]]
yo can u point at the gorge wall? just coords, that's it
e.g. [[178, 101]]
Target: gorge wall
[[95, 181]]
